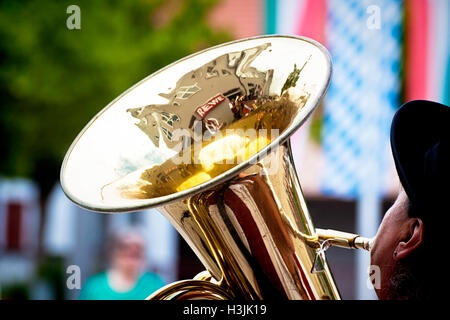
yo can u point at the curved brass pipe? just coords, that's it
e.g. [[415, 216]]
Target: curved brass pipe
[[230, 271], [191, 290], [344, 239]]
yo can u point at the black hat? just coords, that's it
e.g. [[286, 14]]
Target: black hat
[[420, 135]]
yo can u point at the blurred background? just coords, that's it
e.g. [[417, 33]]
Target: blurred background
[[57, 72]]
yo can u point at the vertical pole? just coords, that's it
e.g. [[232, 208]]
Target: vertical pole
[[368, 208], [369, 199]]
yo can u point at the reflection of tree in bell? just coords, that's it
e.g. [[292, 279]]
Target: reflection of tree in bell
[[211, 94], [250, 130], [216, 156]]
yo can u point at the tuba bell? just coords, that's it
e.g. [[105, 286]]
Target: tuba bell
[[206, 141]]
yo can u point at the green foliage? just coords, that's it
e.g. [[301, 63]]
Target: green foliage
[[315, 129], [51, 271], [16, 291], [54, 80]]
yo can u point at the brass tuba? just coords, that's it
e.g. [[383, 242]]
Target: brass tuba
[[206, 140]]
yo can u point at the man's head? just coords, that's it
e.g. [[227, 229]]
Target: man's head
[[420, 137]]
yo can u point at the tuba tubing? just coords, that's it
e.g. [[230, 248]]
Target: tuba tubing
[[344, 239]]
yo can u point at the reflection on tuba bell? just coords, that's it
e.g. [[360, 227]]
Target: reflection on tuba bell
[[206, 141]]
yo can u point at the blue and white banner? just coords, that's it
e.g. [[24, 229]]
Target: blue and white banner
[[364, 39]]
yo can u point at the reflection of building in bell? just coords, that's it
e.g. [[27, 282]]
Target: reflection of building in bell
[[207, 94]]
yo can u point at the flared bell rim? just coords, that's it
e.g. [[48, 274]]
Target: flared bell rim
[[142, 204]]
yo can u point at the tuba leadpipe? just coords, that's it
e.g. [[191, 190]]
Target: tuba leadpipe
[[344, 239], [205, 140]]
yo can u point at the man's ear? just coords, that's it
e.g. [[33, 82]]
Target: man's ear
[[412, 240]]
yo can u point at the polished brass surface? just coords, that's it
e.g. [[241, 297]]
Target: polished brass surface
[[191, 290], [254, 234], [206, 140], [344, 239]]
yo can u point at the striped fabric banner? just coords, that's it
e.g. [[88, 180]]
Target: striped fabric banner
[[271, 16], [298, 17], [312, 19], [363, 95], [289, 13], [427, 46], [439, 55], [416, 49]]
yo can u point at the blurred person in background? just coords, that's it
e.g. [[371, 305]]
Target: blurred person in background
[[126, 278]]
